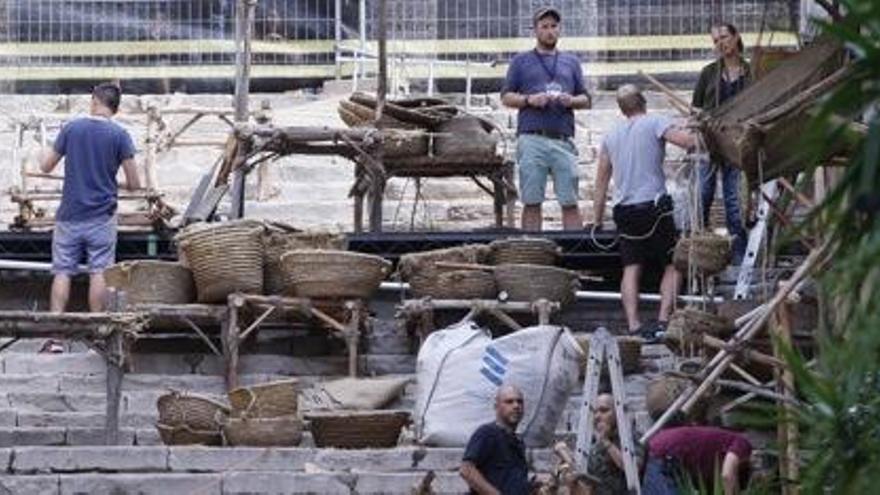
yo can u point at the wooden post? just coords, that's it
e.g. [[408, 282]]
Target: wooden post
[[787, 429], [337, 35], [152, 141], [352, 335], [243, 32], [114, 357], [229, 336], [382, 83]]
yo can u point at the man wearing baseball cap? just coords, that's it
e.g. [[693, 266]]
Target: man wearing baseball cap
[[546, 85]]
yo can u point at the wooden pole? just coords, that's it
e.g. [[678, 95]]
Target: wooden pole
[[787, 429], [243, 32], [337, 35], [377, 191]]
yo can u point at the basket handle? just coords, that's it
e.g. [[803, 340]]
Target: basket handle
[[251, 402]]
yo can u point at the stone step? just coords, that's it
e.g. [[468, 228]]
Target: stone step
[[91, 363], [232, 483]]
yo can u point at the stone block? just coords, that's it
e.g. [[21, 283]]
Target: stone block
[[95, 436], [286, 365], [29, 383], [389, 364], [13, 437], [82, 362], [61, 419], [402, 483], [55, 402], [5, 459], [84, 459], [8, 418], [147, 437], [41, 484], [207, 459], [286, 483], [140, 484]]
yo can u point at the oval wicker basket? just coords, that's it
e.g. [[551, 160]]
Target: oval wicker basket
[[524, 251], [196, 412], [630, 349], [184, 435], [283, 431], [266, 400], [532, 282], [152, 282], [688, 325], [224, 259], [276, 244], [357, 429], [711, 253], [333, 274], [455, 284]]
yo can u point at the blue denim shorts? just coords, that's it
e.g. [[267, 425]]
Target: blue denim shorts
[[91, 241], [539, 156]]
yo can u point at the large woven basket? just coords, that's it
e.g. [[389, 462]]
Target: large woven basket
[[224, 258], [284, 431], [267, 400], [524, 251], [663, 391], [710, 253], [196, 412], [455, 284], [423, 264], [357, 429], [152, 282], [630, 349], [276, 244], [688, 325], [333, 274], [533, 282], [184, 435]]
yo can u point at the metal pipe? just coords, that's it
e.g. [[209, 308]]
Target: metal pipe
[[582, 295]]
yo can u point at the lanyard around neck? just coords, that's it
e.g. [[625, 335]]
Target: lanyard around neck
[[550, 72]]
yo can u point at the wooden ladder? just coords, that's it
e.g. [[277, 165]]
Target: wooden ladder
[[603, 345]]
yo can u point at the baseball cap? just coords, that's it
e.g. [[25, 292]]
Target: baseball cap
[[544, 12]]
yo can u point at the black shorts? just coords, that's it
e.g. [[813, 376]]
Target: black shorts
[[646, 219]]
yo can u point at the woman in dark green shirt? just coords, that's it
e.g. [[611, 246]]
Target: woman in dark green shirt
[[720, 81]]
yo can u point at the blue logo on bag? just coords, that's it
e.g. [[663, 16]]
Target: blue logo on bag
[[494, 366]]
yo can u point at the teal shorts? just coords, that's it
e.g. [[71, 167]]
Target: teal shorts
[[538, 157]]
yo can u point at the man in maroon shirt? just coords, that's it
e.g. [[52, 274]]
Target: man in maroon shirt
[[697, 453]]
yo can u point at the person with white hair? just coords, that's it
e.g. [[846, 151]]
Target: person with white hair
[[632, 154]]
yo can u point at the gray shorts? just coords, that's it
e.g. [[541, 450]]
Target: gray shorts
[[91, 241], [539, 156]]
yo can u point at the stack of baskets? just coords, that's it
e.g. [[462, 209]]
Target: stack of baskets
[[264, 416], [277, 243], [358, 429], [329, 274], [710, 253], [224, 258], [152, 282], [190, 419], [524, 270], [426, 279]]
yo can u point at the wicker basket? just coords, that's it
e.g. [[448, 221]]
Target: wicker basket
[[711, 253], [533, 282], [357, 429], [225, 258], [423, 265], [184, 435], [193, 411], [333, 274], [630, 349], [687, 327], [524, 251], [152, 282], [455, 284], [267, 400], [284, 431], [663, 391], [276, 244]]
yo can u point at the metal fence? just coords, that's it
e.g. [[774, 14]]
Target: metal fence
[[56, 40]]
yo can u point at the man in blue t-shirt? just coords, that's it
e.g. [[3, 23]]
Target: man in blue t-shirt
[[93, 148], [546, 85], [495, 458]]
